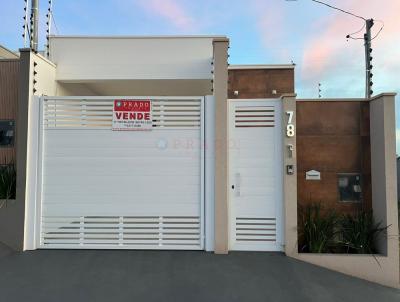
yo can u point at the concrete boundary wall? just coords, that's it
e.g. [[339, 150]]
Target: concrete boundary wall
[[221, 146], [383, 268], [37, 77], [289, 181]]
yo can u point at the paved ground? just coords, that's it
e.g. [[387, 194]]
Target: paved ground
[[113, 276]]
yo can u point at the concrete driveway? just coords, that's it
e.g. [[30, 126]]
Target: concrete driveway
[[91, 275]]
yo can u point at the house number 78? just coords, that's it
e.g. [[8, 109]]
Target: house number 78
[[289, 126]]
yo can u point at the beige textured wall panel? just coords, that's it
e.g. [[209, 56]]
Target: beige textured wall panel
[[221, 147], [289, 181]]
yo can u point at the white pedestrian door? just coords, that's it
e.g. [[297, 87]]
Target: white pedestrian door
[[255, 172], [100, 188]]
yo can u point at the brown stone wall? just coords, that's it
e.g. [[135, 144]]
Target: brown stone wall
[[9, 79], [332, 137], [259, 83]]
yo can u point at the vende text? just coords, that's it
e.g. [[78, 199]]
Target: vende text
[[133, 116]]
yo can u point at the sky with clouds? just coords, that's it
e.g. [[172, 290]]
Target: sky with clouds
[[260, 31]]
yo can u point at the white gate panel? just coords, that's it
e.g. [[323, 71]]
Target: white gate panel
[[256, 206], [121, 189]]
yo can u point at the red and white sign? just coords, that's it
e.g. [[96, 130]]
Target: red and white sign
[[130, 115]]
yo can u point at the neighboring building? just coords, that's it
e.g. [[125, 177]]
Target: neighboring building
[[225, 156], [9, 80], [7, 54]]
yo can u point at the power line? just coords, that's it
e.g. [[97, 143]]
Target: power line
[[356, 32], [54, 22], [339, 9], [369, 23], [379, 31]]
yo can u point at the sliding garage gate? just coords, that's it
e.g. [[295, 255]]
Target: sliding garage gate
[[100, 188]]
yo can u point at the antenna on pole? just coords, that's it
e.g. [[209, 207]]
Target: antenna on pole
[[34, 25]]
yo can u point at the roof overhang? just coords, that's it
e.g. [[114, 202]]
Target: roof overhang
[[5, 53]]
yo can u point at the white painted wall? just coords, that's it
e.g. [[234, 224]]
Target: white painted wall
[[118, 58], [45, 85]]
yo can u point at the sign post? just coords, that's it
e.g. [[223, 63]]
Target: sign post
[[132, 115]]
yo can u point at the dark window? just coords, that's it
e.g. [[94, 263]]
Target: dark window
[[7, 133], [349, 185]]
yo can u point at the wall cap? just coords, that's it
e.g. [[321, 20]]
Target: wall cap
[[9, 60], [333, 100], [137, 37], [393, 94], [288, 95], [38, 55], [220, 39], [262, 66], [347, 99]]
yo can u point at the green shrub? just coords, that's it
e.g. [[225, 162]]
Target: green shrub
[[359, 233], [7, 182], [328, 232], [318, 231]]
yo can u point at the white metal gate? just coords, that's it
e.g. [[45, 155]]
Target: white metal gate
[[100, 188], [255, 165]]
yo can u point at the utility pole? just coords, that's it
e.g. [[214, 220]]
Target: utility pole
[[369, 23], [368, 59], [34, 25]]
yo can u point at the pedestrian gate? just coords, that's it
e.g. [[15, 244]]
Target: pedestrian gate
[[255, 157]]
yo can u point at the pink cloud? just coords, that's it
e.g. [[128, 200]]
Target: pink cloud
[[327, 52], [270, 18], [172, 11]]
